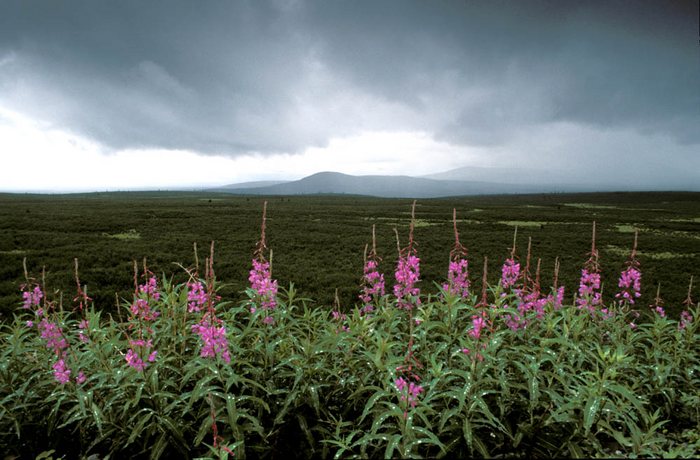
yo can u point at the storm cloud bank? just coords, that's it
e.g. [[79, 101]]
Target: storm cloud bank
[[546, 82]]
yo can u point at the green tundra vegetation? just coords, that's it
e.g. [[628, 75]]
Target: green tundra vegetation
[[190, 360], [318, 241]]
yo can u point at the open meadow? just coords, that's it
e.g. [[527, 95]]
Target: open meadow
[[219, 355], [318, 241]]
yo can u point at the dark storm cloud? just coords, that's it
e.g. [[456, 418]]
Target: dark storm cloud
[[236, 77]]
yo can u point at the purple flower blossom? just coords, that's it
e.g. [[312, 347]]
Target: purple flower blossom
[[588, 295], [32, 298], [685, 321], [410, 391], [61, 372], [133, 359], [264, 286], [197, 297], [150, 288], [53, 335], [407, 275], [80, 378], [372, 286], [510, 272], [213, 336], [478, 323], [630, 284], [457, 278]]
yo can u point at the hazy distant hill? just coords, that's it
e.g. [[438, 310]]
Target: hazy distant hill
[[384, 186]]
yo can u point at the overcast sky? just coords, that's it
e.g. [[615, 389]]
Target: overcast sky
[[106, 95]]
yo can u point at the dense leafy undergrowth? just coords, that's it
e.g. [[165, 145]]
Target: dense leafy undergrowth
[[181, 372]]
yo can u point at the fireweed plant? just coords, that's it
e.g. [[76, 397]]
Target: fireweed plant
[[569, 384], [373, 289], [264, 288]]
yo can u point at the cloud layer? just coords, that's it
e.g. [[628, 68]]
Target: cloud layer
[[281, 77]]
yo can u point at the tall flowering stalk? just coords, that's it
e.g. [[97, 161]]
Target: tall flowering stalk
[[510, 271], [143, 313], [407, 270], [556, 298], [630, 279], [589, 296], [48, 327], [657, 307], [372, 280], [458, 271], [264, 287], [686, 318], [210, 329]]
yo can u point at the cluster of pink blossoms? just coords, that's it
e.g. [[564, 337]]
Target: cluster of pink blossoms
[[589, 296], [510, 272], [133, 358], [407, 275], [457, 278], [212, 332], [264, 286], [372, 286], [557, 298], [409, 391], [32, 298], [141, 310], [53, 334], [686, 320], [141, 307], [630, 284], [197, 297]]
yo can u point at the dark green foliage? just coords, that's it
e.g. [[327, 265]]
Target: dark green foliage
[[571, 384], [318, 241]]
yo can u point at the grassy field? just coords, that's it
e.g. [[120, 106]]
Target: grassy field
[[318, 241]]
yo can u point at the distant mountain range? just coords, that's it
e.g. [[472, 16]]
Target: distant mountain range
[[462, 181]]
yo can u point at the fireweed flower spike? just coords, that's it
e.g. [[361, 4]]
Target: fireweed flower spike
[[630, 279], [657, 307], [407, 270], [260, 278], [211, 330], [142, 314], [372, 280], [589, 296], [510, 272], [457, 273], [686, 317]]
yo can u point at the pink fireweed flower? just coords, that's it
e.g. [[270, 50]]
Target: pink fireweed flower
[[510, 272], [409, 391], [152, 356], [588, 295], [53, 335], [407, 275], [264, 286], [150, 288], [268, 320], [630, 284], [340, 318], [213, 336], [83, 326], [478, 324], [197, 297], [557, 298], [685, 321], [660, 311], [61, 372], [32, 298], [30, 323], [372, 286], [457, 278], [133, 359], [80, 378], [142, 309]]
